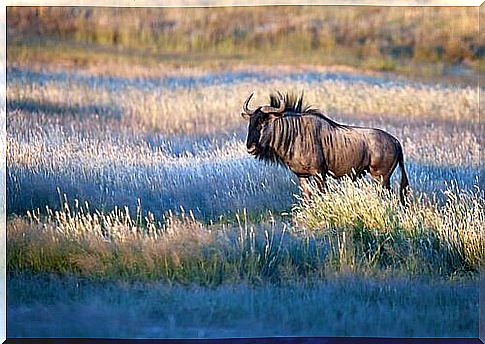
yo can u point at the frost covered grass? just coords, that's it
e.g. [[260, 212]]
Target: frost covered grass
[[211, 177], [209, 103], [159, 148]]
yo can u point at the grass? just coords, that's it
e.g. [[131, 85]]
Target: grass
[[52, 306], [332, 232], [114, 246], [386, 39], [130, 192], [368, 227], [59, 141], [209, 102], [174, 145], [178, 141], [134, 62]]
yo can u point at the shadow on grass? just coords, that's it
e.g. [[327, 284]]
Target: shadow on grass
[[15, 74], [46, 306], [46, 107], [199, 188]]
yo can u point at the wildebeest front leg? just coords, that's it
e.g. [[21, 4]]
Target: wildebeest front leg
[[305, 187], [321, 183]]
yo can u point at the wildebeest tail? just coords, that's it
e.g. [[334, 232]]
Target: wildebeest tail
[[404, 187]]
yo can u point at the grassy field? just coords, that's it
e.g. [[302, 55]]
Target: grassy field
[[43, 306], [419, 41], [348, 230], [147, 179], [130, 195], [174, 142]]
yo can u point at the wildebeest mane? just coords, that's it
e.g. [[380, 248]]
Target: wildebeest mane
[[293, 102], [294, 105], [268, 155], [286, 127]]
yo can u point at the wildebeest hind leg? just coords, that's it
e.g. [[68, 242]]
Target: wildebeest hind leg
[[382, 177], [386, 182]]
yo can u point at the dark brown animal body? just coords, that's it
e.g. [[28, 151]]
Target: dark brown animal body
[[313, 145]]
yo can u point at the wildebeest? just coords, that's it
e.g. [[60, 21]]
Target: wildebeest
[[311, 144]]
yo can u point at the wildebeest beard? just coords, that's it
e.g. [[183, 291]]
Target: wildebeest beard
[[266, 152]]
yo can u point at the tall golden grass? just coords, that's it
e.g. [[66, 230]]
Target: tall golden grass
[[366, 224], [359, 228]]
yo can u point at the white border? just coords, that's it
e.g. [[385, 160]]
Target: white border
[[164, 3], [218, 3]]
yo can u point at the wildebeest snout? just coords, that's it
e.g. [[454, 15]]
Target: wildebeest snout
[[251, 148]]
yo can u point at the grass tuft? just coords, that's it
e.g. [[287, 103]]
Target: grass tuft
[[367, 227]]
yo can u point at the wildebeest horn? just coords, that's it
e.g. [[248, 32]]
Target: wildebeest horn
[[246, 109], [269, 109]]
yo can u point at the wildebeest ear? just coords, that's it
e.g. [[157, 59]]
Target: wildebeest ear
[[245, 115]]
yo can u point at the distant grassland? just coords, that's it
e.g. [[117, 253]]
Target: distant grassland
[[391, 39]]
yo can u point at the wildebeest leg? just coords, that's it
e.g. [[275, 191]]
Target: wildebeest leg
[[383, 177], [305, 187], [379, 177], [321, 183], [386, 182], [382, 181], [376, 176], [360, 174]]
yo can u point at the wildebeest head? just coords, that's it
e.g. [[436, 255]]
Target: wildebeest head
[[259, 122]]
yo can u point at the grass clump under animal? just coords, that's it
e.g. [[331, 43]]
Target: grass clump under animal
[[351, 228], [367, 227]]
